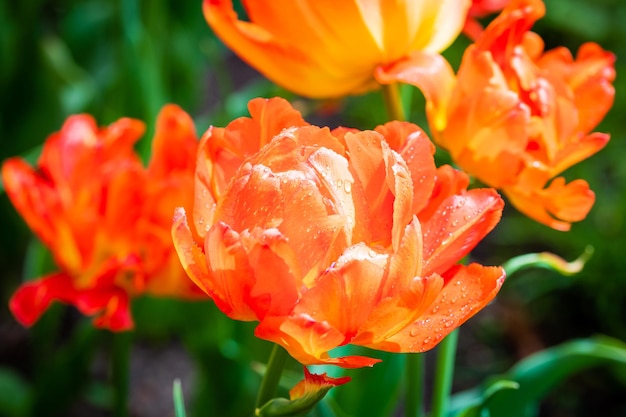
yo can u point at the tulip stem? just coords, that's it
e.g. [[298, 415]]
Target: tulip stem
[[413, 406], [393, 102], [270, 381], [122, 343], [444, 370]]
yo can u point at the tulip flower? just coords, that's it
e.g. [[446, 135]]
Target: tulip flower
[[481, 8], [328, 238], [323, 48], [515, 116], [104, 217]]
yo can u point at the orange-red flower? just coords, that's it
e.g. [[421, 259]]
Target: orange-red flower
[[105, 218], [481, 8], [516, 117], [326, 48], [335, 237]]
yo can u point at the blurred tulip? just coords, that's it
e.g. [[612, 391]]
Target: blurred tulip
[[326, 48], [104, 217], [335, 237], [481, 8], [516, 117]]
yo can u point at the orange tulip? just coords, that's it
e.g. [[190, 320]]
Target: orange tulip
[[105, 217], [335, 237], [516, 117], [324, 48]]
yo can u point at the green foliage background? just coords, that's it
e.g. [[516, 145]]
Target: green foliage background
[[115, 58]]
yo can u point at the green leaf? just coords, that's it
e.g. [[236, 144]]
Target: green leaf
[[538, 374], [179, 401], [472, 403], [16, 398], [549, 261], [373, 392]]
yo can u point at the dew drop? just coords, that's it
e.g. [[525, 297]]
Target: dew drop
[[427, 340], [347, 187], [414, 331]]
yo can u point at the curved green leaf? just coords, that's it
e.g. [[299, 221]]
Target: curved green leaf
[[538, 374]]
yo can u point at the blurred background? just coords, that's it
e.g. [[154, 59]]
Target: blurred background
[[115, 58]]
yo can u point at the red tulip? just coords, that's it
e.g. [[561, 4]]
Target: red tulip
[[105, 217]]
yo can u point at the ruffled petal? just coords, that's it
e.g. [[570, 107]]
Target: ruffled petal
[[467, 289], [555, 206], [308, 340]]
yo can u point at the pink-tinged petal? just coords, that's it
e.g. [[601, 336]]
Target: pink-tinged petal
[[429, 72], [174, 145], [308, 340], [417, 150], [313, 383], [467, 289], [458, 226]]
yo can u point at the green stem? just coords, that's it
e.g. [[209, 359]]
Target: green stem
[[393, 102], [122, 343], [274, 369], [444, 371], [414, 385]]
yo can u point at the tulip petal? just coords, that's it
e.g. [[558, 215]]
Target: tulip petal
[[308, 340], [467, 289], [429, 72], [174, 144], [458, 226], [307, 68], [347, 292], [31, 299], [557, 205], [109, 304], [417, 150]]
